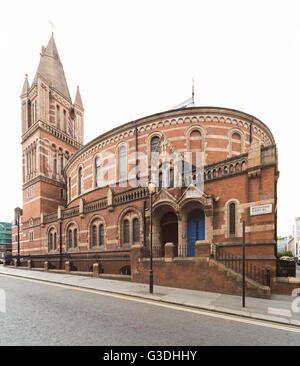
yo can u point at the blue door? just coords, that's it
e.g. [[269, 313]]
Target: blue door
[[195, 230]]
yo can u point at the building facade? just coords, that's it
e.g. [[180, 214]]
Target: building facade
[[213, 168], [5, 238], [295, 243]]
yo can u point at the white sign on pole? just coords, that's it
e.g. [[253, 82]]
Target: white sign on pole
[[261, 210]]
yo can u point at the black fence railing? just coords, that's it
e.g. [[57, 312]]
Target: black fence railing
[[252, 271], [285, 268], [113, 264]]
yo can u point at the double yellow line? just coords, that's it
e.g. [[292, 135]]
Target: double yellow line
[[235, 318]]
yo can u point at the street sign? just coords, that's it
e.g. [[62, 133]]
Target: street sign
[[261, 210]]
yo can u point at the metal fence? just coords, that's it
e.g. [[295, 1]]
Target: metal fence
[[252, 271], [285, 268]]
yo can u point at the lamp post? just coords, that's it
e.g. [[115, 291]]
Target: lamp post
[[18, 214], [151, 188]]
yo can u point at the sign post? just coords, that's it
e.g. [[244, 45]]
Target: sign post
[[244, 282]]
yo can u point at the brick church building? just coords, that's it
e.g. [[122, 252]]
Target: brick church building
[[212, 167]]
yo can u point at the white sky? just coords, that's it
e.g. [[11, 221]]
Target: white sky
[[135, 58]]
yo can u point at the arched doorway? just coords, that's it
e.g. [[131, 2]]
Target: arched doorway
[[169, 231], [195, 229]]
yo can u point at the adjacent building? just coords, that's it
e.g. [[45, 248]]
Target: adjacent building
[[5, 238]]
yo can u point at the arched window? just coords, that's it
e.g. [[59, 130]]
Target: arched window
[[65, 120], [97, 171], [51, 241], [96, 232], [58, 116], [171, 178], [61, 164], [55, 167], [101, 234], [232, 219], [70, 189], [126, 232], [160, 180], [236, 143], [154, 143], [70, 238], [94, 235], [75, 238], [80, 180], [122, 162], [136, 230]]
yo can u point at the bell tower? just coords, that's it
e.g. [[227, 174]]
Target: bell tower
[[52, 130]]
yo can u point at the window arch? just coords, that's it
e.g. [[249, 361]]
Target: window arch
[[195, 143], [72, 236], [94, 235], [122, 162], [80, 186], [129, 226], [101, 234], [136, 230], [75, 238], [166, 175], [154, 143], [96, 230], [232, 219], [97, 171], [126, 238], [70, 189], [236, 142], [52, 239]]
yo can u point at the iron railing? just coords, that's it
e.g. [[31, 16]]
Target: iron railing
[[254, 272], [285, 268]]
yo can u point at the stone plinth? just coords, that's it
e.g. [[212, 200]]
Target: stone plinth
[[202, 248]]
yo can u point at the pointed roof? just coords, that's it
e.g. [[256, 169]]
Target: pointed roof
[[25, 88], [51, 69], [78, 100]]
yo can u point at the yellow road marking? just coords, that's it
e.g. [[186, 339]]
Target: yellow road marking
[[235, 318]]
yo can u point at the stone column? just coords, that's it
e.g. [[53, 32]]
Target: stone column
[[29, 264], [46, 266]]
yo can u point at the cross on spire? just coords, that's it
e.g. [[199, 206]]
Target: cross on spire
[[52, 26]]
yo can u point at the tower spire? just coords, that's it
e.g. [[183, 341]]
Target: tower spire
[[51, 69], [25, 88]]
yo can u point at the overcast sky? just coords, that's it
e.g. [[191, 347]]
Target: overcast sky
[[135, 58]]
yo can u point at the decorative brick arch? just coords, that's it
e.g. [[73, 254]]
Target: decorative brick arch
[[129, 213], [242, 140], [238, 218], [71, 225], [101, 221]]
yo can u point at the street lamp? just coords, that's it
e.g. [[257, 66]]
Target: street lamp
[[18, 214], [151, 188]]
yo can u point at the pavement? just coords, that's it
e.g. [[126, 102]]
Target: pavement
[[279, 309]]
